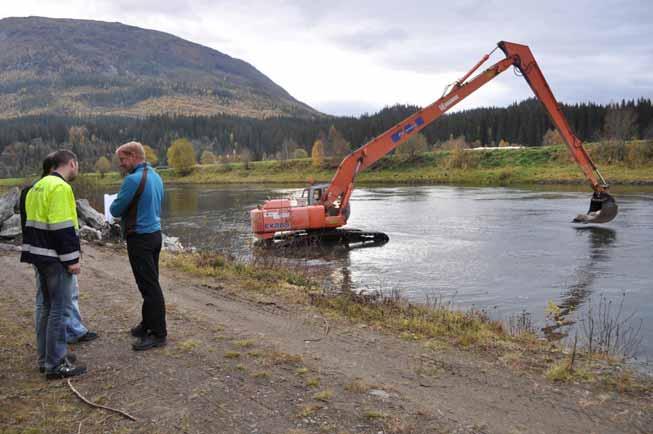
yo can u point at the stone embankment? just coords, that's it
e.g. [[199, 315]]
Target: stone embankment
[[92, 224]]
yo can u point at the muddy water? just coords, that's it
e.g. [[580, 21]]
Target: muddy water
[[504, 250]]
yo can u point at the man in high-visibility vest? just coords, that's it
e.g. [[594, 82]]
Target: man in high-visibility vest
[[76, 331], [51, 243]]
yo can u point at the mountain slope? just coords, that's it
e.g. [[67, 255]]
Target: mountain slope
[[65, 66]]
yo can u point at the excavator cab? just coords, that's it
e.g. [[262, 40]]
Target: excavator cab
[[313, 194]]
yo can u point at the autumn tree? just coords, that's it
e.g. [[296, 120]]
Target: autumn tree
[[150, 155], [552, 137], [620, 124], [454, 143], [317, 153], [246, 158], [77, 135], [336, 146], [102, 166], [208, 157], [181, 156], [415, 145]]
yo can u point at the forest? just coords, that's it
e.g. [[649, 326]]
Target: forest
[[24, 141]]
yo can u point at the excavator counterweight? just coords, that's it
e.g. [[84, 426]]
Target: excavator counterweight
[[323, 209]]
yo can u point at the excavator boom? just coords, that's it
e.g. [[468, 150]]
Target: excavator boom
[[328, 206]]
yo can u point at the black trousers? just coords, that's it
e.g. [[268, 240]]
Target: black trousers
[[143, 251]]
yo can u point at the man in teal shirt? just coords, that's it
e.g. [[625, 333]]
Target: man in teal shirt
[[138, 205]]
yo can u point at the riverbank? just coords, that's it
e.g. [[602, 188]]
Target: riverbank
[[494, 167], [256, 348]]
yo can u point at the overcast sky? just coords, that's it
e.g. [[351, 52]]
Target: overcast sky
[[352, 57]]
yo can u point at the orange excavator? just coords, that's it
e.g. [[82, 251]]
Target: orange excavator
[[323, 209]]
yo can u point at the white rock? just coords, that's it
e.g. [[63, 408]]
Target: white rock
[[88, 233], [89, 215], [11, 227], [379, 393], [171, 244], [7, 204]]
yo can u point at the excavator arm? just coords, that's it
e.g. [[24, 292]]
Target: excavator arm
[[602, 208]]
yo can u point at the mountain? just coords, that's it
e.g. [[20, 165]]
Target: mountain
[[80, 67]]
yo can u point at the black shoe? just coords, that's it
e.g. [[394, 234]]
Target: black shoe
[[139, 331], [87, 337], [65, 370], [71, 357], [149, 341]]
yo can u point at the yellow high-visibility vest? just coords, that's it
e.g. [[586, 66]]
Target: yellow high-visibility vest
[[51, 226]]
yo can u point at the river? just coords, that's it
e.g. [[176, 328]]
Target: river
[[502, 250]]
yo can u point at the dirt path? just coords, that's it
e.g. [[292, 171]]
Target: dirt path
[[234, 365]]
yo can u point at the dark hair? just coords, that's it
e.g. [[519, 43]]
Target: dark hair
[[48, 164], [62, 157]]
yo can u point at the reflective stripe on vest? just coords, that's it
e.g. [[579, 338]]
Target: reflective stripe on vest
[[50, 253]]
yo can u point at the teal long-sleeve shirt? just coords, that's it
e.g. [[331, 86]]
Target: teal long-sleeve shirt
[[148, 214]]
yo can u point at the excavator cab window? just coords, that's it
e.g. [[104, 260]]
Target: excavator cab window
[[317, 194], [313, 195]]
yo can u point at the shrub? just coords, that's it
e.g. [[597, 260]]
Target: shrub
[[639, 153], [460, 158], [102, 166], [300, 153], [181, 156], [610, 151]]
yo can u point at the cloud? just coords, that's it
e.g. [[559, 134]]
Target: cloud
[[360, 56]]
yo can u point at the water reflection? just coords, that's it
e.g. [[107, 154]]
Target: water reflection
[[182, 202], [330, 264], [600, 239]]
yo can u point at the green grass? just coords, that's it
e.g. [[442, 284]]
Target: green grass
[[11, 182], [313, 382], [232, 355], [323, 396], [562, 373]]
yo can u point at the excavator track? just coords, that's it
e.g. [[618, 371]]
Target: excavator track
[[350, 238]]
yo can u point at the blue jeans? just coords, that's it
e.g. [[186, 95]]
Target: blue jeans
[[75, 329], [55, 286]]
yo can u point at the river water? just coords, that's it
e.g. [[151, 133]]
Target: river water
[[503, 250]]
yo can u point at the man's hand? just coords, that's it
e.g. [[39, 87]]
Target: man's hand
[[75, 268]]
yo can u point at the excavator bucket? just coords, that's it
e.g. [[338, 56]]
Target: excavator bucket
[[603, 209]]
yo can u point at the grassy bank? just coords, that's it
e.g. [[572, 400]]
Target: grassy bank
[[541, 165], [550, 164], [434, 324]]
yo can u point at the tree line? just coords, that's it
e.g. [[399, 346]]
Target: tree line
[[25, 141]]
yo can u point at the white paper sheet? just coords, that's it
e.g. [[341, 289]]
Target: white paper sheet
[[108, 200]]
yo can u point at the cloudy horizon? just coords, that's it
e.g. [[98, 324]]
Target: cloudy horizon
[[350, 58]]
